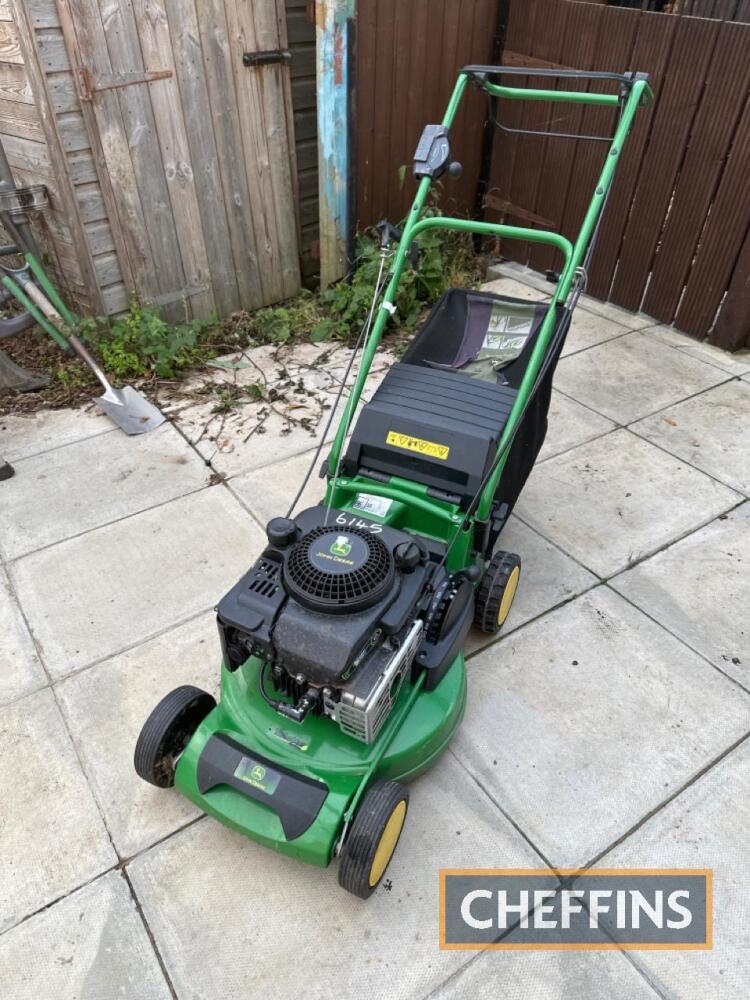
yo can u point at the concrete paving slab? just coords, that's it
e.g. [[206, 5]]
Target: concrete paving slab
[[710, 431], [518, 975], [704, 827], [52, 838], [569, 424], [25, 434], [548, 577], [92, 596], [699, 589], [70, 490], [21, 671], [258, 432], [582, 722], [615, 500], [587, 329], [608, 310], [735, 364], [267, 492], [632, 376], [106, 707], [505, 285], [91, 945], [282, 917]]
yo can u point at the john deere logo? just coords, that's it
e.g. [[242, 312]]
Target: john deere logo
[[341, 546], [258, 773]]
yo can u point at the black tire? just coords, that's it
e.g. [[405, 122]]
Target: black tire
[[166, 733], [382, 813], [496, 592]]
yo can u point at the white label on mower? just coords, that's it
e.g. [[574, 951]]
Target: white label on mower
[[366, 502], [356, 522]]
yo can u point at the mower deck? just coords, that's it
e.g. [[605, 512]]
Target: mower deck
[[289, 786]]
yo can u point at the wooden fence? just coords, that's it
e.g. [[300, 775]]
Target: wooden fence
[[167, 148], [675, 240], [408, 54]]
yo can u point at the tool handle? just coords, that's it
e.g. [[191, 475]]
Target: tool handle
[[32, 310], [84, 355], [51, 292], [40, 299]]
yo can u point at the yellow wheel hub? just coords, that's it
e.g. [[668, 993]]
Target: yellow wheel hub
[[508, 594], [387, 844]]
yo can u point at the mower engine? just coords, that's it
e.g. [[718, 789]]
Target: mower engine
[[339, 613]]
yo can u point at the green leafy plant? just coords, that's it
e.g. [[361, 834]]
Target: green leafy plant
[[140, 342]]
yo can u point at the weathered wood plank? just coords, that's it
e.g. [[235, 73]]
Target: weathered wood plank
[[121, 42], [115, 298], [217, 63], [107, 269], [5, 14], [62, 91], [14, 84], [91, 204], [52, 52], [73, 131], [25, 154], [43, 13], [155, 42], [82, 167], [99, 235], [111, 150], [10, 49], [21, 120], [260, 94], [209, 189]]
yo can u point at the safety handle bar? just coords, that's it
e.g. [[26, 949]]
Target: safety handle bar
[[480, 74]]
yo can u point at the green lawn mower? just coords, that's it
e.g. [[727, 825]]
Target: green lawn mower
[[342, 647]]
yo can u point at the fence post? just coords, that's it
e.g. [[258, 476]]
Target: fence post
[[334, 21]]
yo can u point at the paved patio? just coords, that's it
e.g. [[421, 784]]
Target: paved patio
[[608, 725]]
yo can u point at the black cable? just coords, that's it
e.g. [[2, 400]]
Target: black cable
[[319, 449], [261, 687]]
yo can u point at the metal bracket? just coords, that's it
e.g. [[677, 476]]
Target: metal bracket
[[266, 57], [91, 85]]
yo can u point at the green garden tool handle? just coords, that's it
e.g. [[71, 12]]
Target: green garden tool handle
[[32, 310], [51, 292]]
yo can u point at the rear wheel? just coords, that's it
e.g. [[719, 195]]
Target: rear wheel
[[372, 839], [166, 733], [496, 592]]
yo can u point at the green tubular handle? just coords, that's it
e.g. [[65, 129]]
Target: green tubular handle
[[49, 289], [639, 93], [30, 308]]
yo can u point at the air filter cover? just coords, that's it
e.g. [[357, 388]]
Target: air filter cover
[[338, 572]]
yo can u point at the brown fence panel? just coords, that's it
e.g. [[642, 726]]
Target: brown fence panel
[[652, 47], [725, 230], [409, 52], [675, 237], [724, 96], [673, 117], [732, 329]]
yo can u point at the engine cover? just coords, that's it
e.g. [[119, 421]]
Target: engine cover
[[340, 614], [313, 606]]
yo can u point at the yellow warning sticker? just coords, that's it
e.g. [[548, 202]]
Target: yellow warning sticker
[[409, 443]]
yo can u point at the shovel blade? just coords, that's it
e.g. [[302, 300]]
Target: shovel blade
[[130, 410]]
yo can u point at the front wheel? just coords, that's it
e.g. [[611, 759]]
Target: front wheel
[[166, 733], [373, 837]]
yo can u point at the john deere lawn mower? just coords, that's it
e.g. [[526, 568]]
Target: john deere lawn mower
[[342, 646]]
